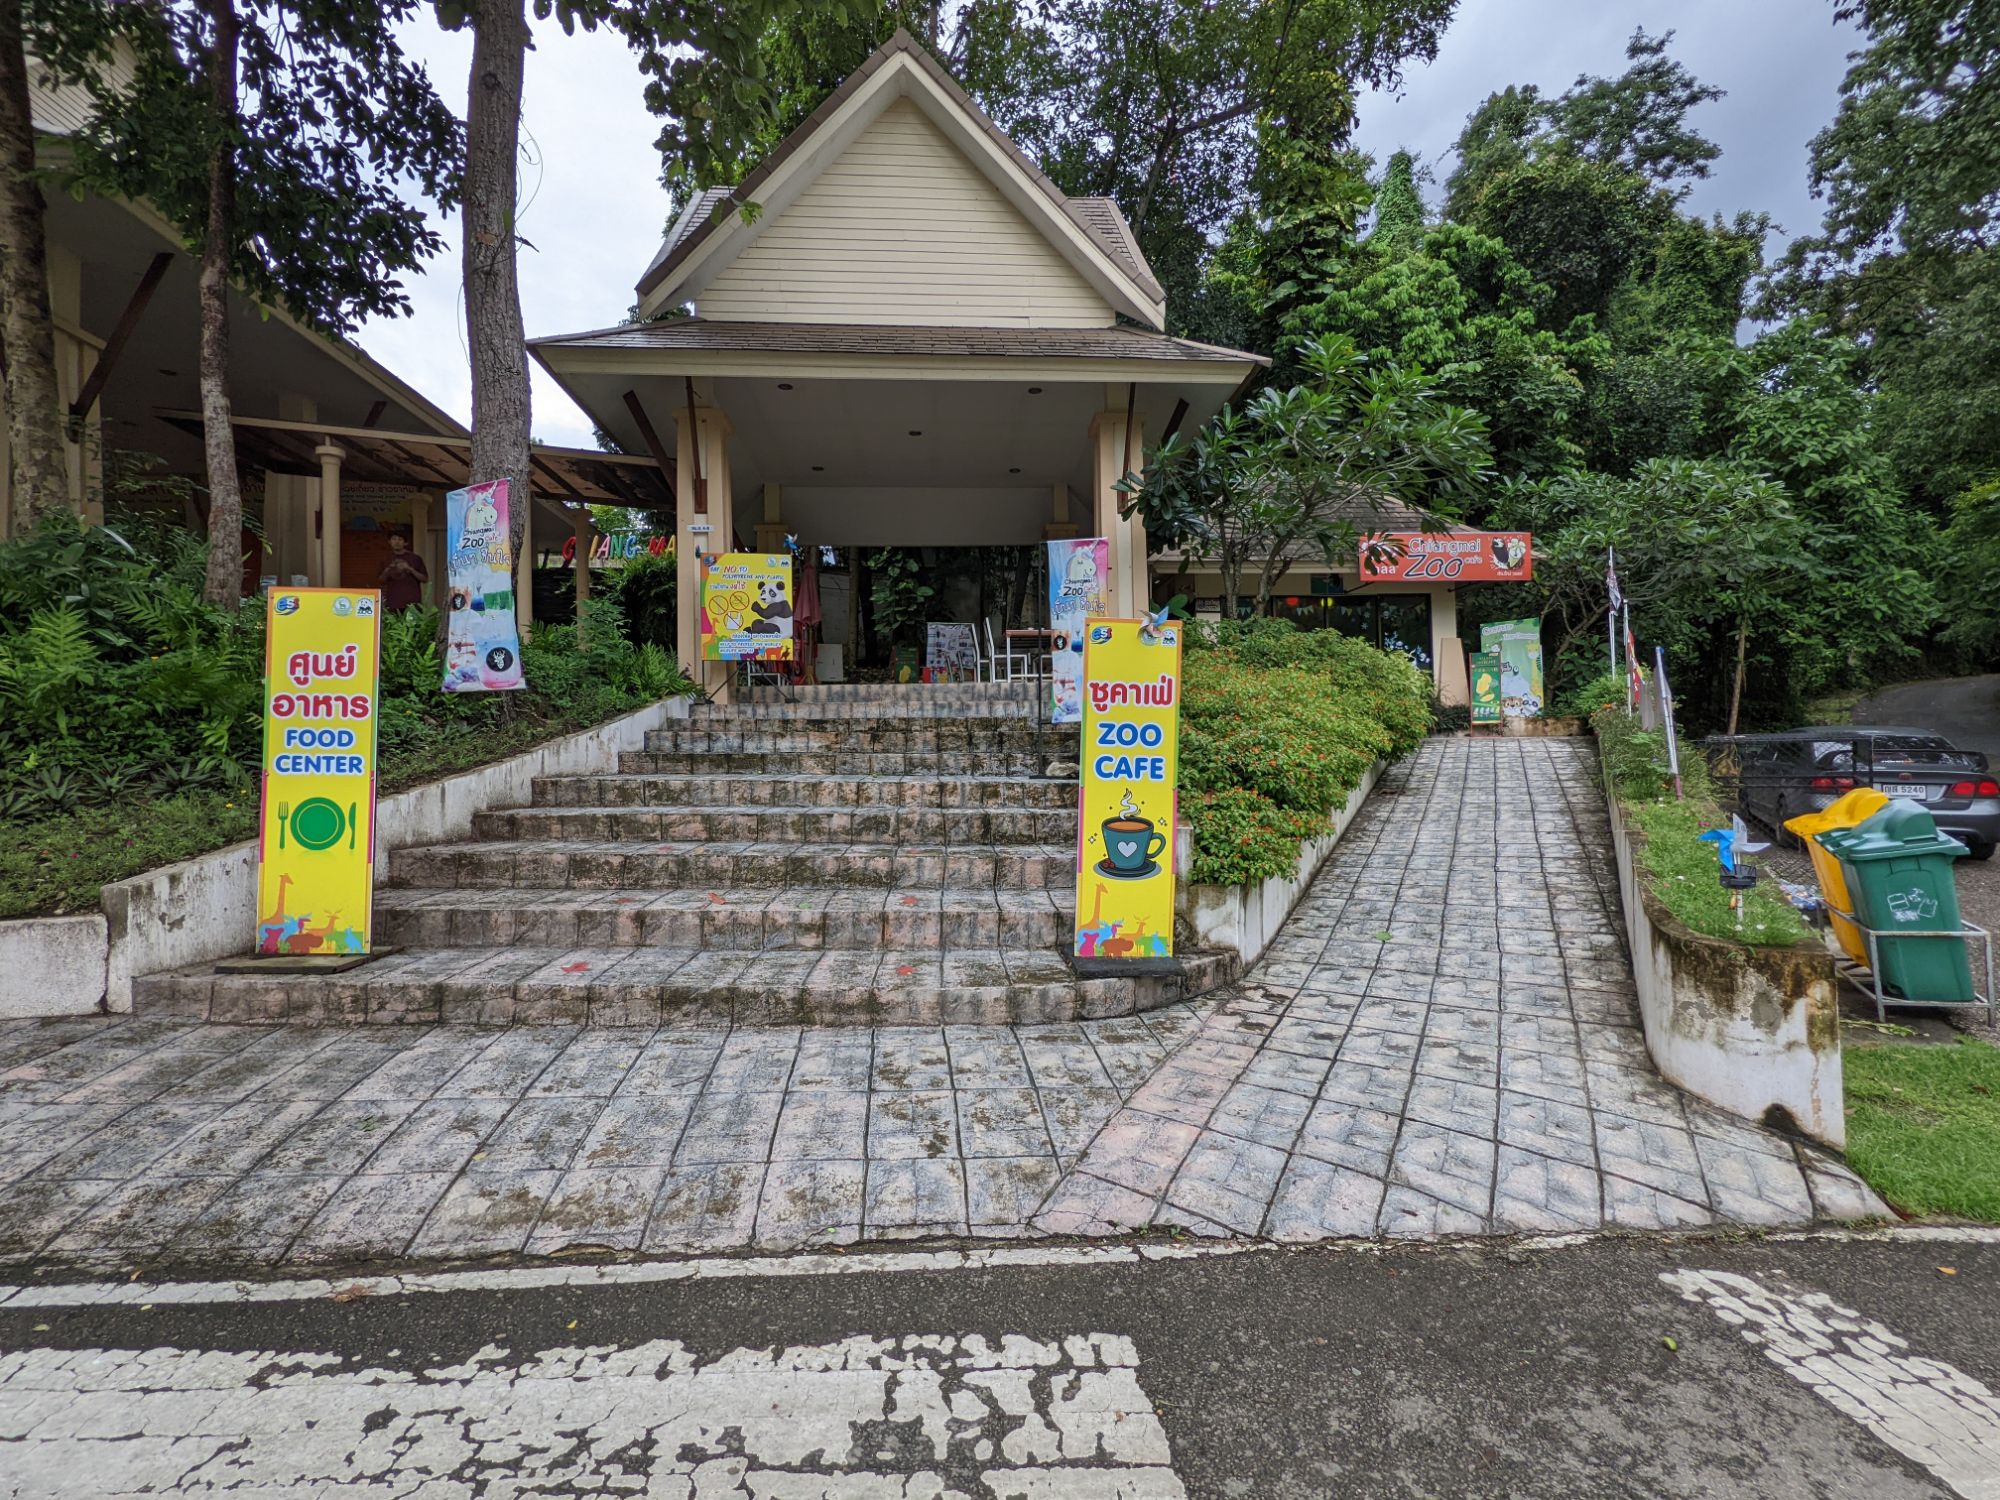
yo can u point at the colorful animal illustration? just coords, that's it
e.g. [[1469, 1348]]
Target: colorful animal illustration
[[310, 939], [272, 931], [770, 607], [1090, 940], [1151, 944], [481, 514]]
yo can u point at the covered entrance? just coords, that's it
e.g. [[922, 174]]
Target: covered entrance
[[896, 332]]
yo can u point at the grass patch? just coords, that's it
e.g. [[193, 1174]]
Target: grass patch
[[1679, 868], [1923, 1126]]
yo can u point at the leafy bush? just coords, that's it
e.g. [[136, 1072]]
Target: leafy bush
[[645, 590], [1678, 867], [1606, 690], [131, 715], [1278, 727]]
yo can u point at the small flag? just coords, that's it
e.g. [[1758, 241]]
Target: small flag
[[1611, 580], [1633, 676]]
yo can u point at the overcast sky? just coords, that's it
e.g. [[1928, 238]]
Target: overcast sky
[[595, 208]]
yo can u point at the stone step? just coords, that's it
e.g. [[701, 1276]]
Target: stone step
[[780, 825], [885, 710], [916, 696], [737, 920], [736, 789], [956, 735], [609, 864], [651, 986], [1024, 762]]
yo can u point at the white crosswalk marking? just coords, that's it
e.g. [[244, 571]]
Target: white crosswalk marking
[[917, 1418], [1925, 1409]]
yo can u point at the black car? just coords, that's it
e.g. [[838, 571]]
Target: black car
[[1802, 770]]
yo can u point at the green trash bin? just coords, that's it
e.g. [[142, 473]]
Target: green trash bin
[[1899, 872]]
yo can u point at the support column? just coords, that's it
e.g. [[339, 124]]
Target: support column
[[1061, 527], [1130, 592], [701, 453], [329, 455], [771, 530], [524, 567], [586, 538]]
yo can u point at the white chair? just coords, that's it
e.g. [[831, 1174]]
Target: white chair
[[1002, 664]]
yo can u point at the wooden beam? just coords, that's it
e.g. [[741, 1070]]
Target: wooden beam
[[107, 359], [548, 471], [1174, 421], [375, 414], [659, 452]]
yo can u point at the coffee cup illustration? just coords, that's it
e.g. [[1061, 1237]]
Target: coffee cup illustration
[[1130, 844]]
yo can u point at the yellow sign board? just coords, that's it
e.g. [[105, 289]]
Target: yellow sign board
[[746, 606], [316, 851], [1131, 763]]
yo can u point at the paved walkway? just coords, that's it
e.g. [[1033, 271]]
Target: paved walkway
[[1441, 1041]]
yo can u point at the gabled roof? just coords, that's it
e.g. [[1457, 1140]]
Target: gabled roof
[[899, 339], [1091, 231]]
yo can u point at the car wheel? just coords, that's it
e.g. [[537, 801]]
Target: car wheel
[[1979, 849], [1783, 836]]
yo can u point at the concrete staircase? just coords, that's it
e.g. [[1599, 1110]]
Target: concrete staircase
[[862, 855]]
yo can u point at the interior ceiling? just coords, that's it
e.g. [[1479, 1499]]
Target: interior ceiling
[[158, 369], [856, 432]]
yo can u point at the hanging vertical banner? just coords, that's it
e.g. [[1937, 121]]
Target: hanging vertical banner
[[482, 651], [1667, 716], [316, 825], [1486, 687], [1518, 643], [1079, 590], [746, 606], [1131, 764]]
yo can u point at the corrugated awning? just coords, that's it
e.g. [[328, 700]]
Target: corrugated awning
[[436, 460]]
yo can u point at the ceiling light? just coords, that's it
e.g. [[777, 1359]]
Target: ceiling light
[[784, 385], [1013, 471], [819, 468], [1034, 390], [916, 432]]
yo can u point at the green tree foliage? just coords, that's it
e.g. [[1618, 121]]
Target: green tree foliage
[[1300, 471], [1638, 121], [1972, 561], [1459, 306], [337, 137], [1908, 258]]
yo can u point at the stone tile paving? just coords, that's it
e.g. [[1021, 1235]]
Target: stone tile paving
[[1442, 1040], [135, 1139]]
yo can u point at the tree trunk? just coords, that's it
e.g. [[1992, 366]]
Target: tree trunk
[[40, 471], [1736, 689], [500, 410], [224, 584]]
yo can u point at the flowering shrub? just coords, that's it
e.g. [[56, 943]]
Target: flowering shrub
[[1278, 726]]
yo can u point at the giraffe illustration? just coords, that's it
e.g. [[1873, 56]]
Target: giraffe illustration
[[1090, 939], [274, 929]]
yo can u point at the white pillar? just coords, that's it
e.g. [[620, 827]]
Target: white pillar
[[329, 455]]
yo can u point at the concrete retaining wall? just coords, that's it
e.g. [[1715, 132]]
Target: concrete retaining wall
[[206, 907], [1247, 917], [1755, 1030]]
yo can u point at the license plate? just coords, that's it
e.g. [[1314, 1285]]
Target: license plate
[[1919, 792]]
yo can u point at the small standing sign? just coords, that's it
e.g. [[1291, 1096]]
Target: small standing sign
[[316, 841], [1130, 797]]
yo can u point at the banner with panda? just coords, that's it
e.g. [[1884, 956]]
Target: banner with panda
[[746, 606], [482, 651]]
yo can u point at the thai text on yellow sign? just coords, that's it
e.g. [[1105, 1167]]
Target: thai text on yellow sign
[[316, 870], [1131, 763]]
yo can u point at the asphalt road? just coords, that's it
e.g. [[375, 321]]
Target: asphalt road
[[1657, 1367], [1966, 710]]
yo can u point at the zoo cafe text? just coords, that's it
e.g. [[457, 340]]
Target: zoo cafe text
[[1123, 745]]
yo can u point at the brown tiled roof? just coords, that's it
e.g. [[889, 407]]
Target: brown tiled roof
[[1099, 217], [876, 338]]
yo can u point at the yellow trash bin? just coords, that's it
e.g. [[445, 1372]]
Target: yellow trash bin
[[1844, 811]]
